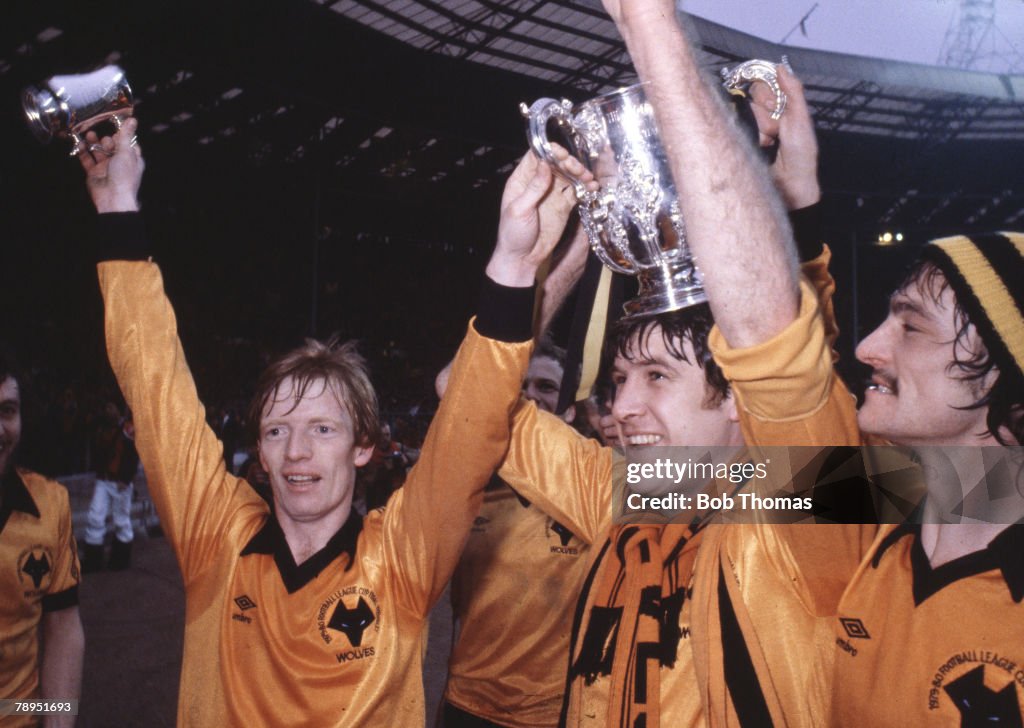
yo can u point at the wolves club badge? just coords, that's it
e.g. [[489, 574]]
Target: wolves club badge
[[350, 615], [984, 687], [35, 570], [980, 705], [352, 622]]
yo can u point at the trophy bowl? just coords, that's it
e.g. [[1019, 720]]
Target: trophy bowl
[[66, 107], [632, 220]]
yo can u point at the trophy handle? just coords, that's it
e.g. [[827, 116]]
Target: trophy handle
[[78, 143], [739, 79], [538, 115], [599, 222]]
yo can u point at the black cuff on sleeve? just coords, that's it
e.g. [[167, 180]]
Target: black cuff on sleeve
[[121, 236], [60, 600], [806, 224], [505, 313]]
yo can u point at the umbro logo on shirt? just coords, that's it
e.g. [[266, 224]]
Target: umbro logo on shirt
[[244, 603], [854, 628]]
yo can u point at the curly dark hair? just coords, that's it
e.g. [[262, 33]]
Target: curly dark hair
[[629, 339]]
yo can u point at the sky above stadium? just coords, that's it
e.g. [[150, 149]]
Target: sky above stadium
[[905, 30]]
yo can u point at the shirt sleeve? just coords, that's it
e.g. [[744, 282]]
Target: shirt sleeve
[[566, 475], [788, 393], [427, 522], [63, 590], [816, 271], [196, 498], [786, 390]]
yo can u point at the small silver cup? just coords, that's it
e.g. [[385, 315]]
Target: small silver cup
[[67, 107]]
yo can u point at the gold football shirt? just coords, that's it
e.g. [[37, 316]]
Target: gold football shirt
[[338, 639], [514, 593], [39, 572]]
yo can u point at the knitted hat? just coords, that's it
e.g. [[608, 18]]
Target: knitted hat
[[986, 273]]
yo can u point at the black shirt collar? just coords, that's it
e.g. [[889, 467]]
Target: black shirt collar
[[1005, 552], [904, 529], [15, 497], [270, 540], [1008, 550]]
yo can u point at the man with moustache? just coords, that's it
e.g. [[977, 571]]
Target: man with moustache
[[922, 624]]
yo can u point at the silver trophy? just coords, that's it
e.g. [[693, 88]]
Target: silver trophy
[[68, 106], [633, 220]]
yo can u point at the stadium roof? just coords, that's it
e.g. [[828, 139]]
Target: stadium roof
[[417, 98]]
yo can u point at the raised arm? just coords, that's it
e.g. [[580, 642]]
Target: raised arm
[[735, 224], [795, 169], [795, 174], [429, 520], [786, 387], [181, 455], [545, 219], [547, 461], [562, 278]]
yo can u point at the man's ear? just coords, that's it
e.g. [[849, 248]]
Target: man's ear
[[363, 453], [730, 408], [569, 415]]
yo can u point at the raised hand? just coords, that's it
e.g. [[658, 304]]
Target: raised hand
[[113, 169], [795, 171], [534, 209]]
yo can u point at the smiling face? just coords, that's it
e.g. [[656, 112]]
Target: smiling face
[[310, 453], [917, 394], [10, 422], [661, 399]]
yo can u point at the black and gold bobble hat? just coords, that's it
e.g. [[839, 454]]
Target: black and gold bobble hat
[[986, 273]]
